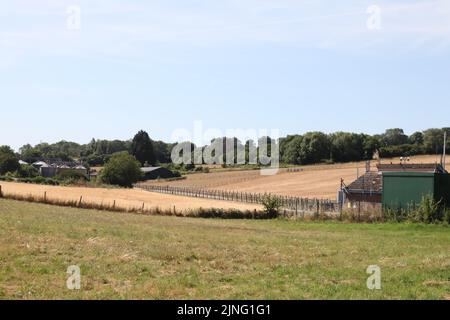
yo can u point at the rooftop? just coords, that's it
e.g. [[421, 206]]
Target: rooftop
[[370, 182], [411, 167], [149, 169]]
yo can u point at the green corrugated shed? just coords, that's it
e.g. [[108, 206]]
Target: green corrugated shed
[[403, 189], [443, 187]]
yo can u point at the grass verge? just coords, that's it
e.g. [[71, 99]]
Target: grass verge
[[156, 257]]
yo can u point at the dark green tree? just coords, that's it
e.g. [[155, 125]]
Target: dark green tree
[[142, 148], [292, 150], [433, 140], [371, 145], [347, 146], [8, 160], [315, 147], [416, 138], [394, 137]]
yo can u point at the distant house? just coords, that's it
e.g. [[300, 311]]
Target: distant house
[[47, 171], [53, 169], [152, 173]]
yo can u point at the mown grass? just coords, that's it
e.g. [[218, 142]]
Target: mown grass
[[154, 257]]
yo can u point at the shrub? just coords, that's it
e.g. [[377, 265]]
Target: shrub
[[429, 210], [271, 206], [27, 171], [122, 169], [446, 217], [71, 176]]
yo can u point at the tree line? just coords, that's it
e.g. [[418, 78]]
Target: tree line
[[315, 147], [308, 148]]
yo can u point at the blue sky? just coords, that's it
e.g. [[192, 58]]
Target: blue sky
[[290, 65]]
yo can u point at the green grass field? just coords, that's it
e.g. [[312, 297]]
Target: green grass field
[[152, 257]]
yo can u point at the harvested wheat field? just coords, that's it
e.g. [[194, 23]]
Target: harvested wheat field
[[313, 181], [124, 198]]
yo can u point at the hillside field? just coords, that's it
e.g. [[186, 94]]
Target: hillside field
[[124, 198], [153, 257], [314, 181]]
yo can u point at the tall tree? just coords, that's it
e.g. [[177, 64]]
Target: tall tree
[[433, 140], [314, 148], [142, 148], [395, 137], [8, 160], [416, 138]]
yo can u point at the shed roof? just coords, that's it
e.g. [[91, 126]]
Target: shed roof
[[39, 163], [411, 167], [370, 182], [150, 169]]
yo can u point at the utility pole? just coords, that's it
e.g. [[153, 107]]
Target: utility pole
[[445, 145]]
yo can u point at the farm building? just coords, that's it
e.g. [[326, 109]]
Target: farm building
[[397, 185], [404, 189], [152, 173], [51, 170], [365, 193]]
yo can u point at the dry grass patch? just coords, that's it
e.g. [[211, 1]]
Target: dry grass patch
[[153, 257]]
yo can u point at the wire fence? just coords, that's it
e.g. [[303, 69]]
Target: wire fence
[[294, 204]]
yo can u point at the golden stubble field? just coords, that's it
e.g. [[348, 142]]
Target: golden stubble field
[[314, 181], [124, 198]]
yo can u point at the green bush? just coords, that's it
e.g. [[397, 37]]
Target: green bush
[[39, 180], [429, 210], [446, 217], [395, 215], [122, 169], [27, 171], [271, 206], [71, 175]]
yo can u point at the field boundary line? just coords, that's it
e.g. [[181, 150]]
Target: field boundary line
[[288, 203]]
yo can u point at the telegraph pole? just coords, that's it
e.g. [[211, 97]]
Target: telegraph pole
[[445, 145]]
